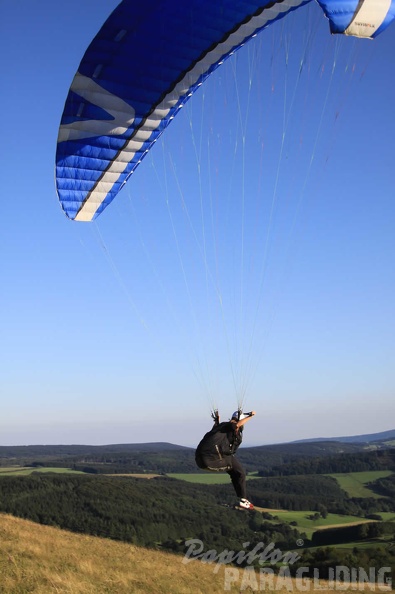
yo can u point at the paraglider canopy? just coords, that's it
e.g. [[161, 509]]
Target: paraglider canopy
[[141, 68]]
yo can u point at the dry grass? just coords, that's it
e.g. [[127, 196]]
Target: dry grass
[[43, 560]]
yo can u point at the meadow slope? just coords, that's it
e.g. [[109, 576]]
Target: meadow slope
[[41, 560]]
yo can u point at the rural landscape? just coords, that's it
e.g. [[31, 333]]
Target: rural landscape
[[125, 518]]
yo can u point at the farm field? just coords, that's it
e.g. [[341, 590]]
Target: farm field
[[214, 478], [304, 524], [355, 483], [388, 516], [207, 478], [26, 470]]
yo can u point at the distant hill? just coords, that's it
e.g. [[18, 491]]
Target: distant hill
[[366, 438], [84, 450], [164, 457], [328, 445]]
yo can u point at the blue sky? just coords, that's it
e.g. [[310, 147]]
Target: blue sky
[[251, 253]]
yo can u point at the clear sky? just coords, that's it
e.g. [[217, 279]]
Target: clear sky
[[252, 253]]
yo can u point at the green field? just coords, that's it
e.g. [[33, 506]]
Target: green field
[[304, 524], [207, 478], [354, 483], [387, 516], [26, 470]]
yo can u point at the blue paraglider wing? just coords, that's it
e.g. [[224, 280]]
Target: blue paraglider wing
[[366, 18], [139, 70]]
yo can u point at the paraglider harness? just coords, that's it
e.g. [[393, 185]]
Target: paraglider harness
[[220, 442]]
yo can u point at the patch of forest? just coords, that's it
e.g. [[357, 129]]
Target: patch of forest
[[164, 513], [384, 486], [144, 512], [125, 507], [266, 457], [372, 560], [339, 463]]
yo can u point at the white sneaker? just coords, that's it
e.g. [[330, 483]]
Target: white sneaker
[[245, 504]]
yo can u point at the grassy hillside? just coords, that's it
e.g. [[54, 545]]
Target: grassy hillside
[[44, 560], [41, 560]]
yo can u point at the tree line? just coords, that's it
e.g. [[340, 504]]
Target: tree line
[[268, 461], [339, 463]]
